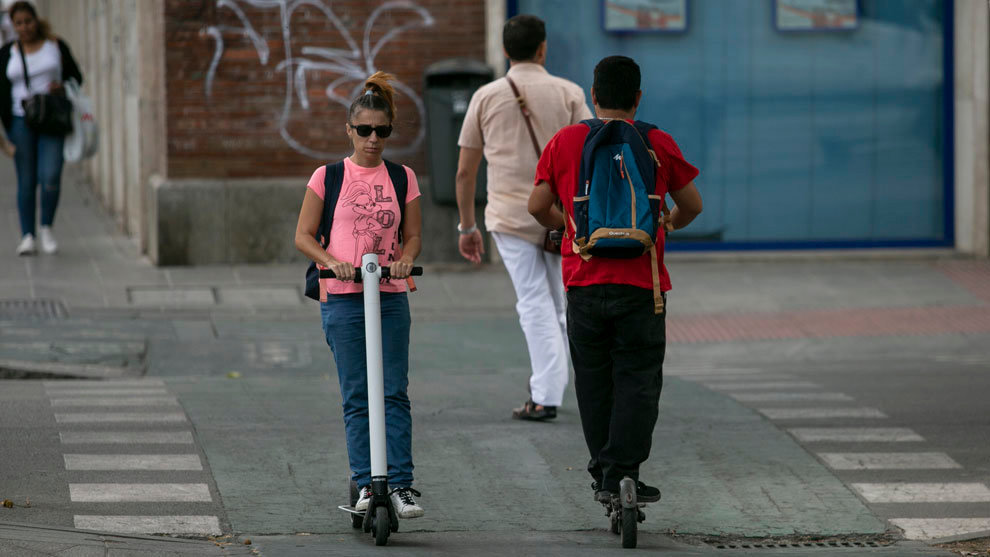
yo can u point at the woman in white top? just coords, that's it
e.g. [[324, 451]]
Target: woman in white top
[[37, 156]]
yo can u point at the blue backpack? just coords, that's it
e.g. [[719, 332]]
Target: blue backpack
[[333, 181], [617, 211]]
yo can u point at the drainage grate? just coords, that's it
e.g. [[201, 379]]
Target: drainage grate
[[798, 545], [32, 309]]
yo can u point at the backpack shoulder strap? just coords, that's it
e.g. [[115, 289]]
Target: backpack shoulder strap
[[400, 182], [333, 181]]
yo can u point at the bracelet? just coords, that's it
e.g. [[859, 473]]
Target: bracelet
[[466, 231]]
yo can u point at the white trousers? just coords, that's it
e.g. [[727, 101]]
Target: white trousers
[[536, 277]]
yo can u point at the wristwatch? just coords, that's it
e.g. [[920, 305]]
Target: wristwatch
[[466, 231]]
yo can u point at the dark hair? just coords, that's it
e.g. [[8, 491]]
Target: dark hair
[[377, 94], [44, 28], [522, 36], [616, 82]]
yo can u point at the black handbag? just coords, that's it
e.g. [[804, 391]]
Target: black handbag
[[47, 113]]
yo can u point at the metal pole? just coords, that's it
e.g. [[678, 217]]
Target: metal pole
[[371, 273]]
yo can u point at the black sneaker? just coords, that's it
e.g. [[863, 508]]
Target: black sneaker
[[644, 493]]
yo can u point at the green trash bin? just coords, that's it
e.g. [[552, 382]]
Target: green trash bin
[[449, 85]]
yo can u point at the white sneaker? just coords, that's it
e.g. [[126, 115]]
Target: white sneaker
[[48, 243], [405, 505], [363, 498], [26, 247]]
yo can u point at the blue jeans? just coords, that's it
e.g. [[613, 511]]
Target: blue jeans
[[343, 324], [38, 161]]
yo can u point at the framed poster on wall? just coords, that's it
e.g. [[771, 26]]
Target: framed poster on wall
[[644, 16], [816, 15]]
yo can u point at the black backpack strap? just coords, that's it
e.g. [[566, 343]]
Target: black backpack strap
[[400, 183], [333, 182]]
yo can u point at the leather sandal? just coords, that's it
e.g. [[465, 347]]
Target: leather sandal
[[529, 411]]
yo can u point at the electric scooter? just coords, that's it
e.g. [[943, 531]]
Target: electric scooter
[[380, 518], [623, 511]]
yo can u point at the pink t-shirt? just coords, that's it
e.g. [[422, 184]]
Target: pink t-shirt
[[365, 220]]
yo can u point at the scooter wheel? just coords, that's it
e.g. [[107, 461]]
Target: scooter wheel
[[381, 526], [628, 534], [614, 522], [357, 520]]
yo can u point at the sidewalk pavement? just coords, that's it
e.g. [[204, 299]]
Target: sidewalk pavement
[[119, 316]]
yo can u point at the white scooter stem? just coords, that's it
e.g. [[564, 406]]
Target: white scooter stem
[[372, 272]]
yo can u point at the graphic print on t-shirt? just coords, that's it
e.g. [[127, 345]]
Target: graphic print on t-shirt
[[371, 216]]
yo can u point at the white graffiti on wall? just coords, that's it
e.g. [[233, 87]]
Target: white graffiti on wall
[[352, 65]]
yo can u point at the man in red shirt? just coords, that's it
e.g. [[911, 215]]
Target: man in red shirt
[[617, 340]]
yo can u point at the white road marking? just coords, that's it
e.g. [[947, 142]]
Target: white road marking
[[932, 528], [817, 413], [789, 397], [132, 462], [206, 525], [889, 461], [105, 383], [855, 434], [923, 492], [137, 437], [117, 401], [756, 385], [111, 417], [139, 493], [737, 377], [107, 392]]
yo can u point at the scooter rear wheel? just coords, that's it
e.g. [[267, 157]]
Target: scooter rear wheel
[[629, 528], [357, 520], [381, 526]]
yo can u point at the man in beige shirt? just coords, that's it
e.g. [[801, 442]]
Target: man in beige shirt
[[495, 127]]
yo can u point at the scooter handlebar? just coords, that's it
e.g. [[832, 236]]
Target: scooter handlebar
[[386, 273]]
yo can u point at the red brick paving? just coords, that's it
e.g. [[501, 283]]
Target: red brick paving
[[829, 323], [971, 275]]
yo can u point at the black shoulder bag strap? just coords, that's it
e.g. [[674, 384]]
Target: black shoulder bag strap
[[27, 76]]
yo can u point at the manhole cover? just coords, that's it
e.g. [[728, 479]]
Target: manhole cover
[[32, 309]]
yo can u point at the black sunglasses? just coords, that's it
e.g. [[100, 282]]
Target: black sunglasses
[[365, 130]]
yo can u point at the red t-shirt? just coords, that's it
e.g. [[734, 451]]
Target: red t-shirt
[[559, 167]]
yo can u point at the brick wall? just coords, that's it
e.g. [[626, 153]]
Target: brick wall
[[231, 111]]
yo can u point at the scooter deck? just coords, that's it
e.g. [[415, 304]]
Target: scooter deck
[[350, 509]]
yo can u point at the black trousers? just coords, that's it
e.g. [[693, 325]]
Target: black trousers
[[617, 348]]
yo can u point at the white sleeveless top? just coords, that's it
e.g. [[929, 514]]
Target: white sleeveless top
[[45, 66]]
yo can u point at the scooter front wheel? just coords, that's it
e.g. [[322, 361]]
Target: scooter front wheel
[[629, 528], [382, 528]]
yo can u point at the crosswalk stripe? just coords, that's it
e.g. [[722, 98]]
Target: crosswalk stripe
[[932, 528], [735, 377], [788, 397], [103, 383], [117, 401], [889, 461], [139, 493], [855, 434], [132, 462], [756, 385], [923, 492], [126, 437], [111, 417], [817, 413], [205, 525], [155, 391]]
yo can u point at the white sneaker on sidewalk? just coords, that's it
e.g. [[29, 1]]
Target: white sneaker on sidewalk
[[48, 243], [363, 497], [26, 247], [405, 505]]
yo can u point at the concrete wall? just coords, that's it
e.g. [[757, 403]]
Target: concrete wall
[[972, 52]]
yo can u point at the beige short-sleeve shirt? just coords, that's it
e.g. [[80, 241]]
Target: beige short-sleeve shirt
[[494, 124]]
